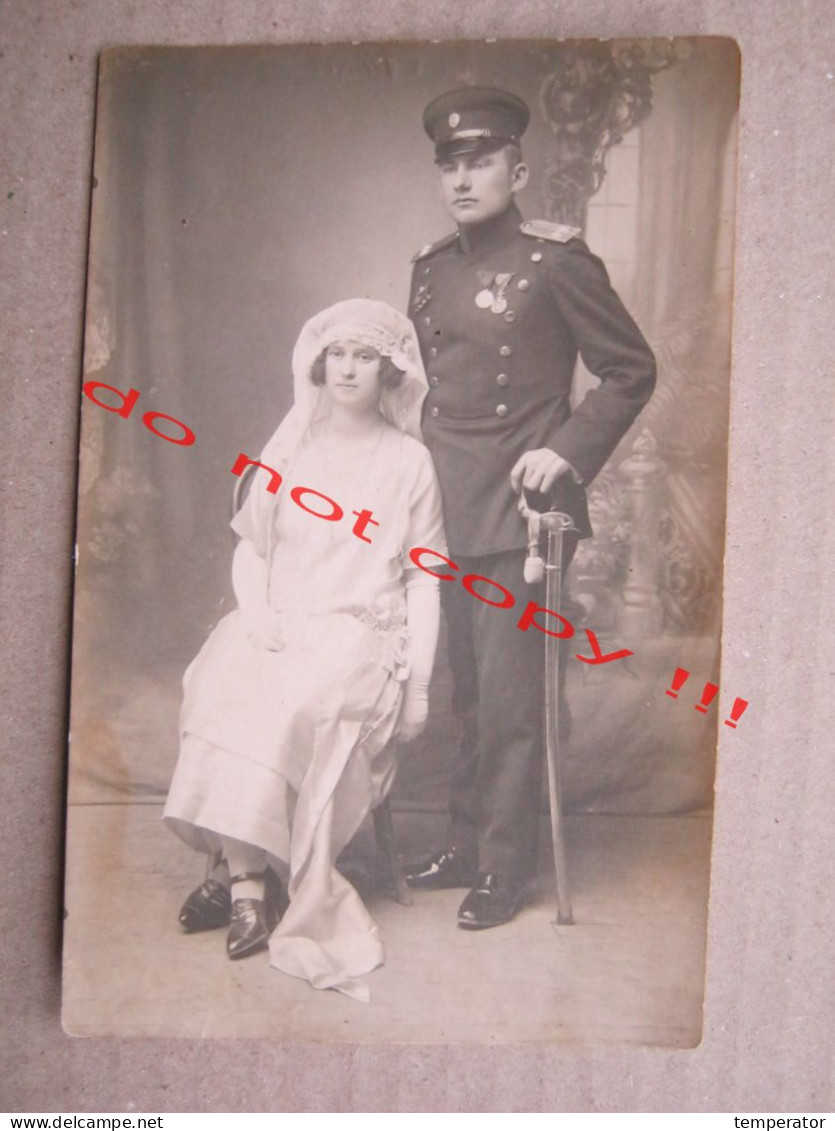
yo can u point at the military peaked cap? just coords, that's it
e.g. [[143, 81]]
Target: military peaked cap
[[474, 118]]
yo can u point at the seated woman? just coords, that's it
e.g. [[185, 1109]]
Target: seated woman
[[293, 704]]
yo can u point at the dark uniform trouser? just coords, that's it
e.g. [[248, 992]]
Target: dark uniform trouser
[[498, 695]]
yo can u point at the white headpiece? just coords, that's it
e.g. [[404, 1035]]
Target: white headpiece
[[378, 326], [370, 323]]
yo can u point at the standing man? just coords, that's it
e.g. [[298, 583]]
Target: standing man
[[502, 308]]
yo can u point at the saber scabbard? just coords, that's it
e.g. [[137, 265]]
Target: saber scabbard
[[554, 524]]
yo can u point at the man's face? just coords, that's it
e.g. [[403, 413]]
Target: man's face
[[476, 186]]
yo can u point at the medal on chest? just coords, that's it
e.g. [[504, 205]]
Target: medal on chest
[[492, 295], [422, 296]]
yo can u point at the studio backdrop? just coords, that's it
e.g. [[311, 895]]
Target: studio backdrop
[[247, 189]]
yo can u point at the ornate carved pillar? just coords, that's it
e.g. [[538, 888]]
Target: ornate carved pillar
[[596, 94], [642, 612]]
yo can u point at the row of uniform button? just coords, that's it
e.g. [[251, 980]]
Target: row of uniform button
[[509, 316], [501, 410], [502, 380], [505, 351]]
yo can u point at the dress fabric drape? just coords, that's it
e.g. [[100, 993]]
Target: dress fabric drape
[[286, 746]]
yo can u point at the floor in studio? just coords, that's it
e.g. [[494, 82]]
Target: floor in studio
[[629, 971]]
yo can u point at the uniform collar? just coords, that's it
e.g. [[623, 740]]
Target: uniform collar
[[477, 239]]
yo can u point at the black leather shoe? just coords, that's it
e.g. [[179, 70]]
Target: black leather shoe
[[494, 900], [450, 868], [208, 907], [248, 931], [254, 920]]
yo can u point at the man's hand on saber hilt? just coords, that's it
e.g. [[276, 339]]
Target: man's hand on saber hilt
[[538, 470], [534, 565]]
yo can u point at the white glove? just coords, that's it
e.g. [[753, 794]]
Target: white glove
[[422, 618], [413, 712]]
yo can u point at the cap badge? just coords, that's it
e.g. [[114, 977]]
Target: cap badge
[[454, 120]]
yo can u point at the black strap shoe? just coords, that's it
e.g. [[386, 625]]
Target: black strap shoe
[[208, 907], [494, 900], [252, 921], [450, 868], [248, 931]]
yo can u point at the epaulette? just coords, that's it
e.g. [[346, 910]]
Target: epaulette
[[545, 230], [438, 245]]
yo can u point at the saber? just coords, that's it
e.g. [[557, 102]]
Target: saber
[[555, 524]]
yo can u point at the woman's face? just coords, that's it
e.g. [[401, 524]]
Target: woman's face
[[352, 375]]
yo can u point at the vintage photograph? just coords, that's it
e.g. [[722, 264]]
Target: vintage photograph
[[400, 540]]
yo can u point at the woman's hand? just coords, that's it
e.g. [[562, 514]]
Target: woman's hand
[[413, 712]]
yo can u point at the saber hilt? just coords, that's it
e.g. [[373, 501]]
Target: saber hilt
[[534, 565]]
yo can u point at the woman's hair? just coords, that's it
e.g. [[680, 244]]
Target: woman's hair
[[390, 376]]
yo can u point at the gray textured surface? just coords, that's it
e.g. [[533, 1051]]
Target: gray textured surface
[[627, 972], [768, 1041]]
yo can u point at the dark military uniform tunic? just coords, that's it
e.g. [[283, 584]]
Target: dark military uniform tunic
[[502, 310], [500, 382]]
